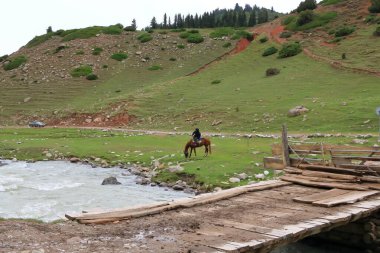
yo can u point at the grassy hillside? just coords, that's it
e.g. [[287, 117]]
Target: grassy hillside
[[247, 100]]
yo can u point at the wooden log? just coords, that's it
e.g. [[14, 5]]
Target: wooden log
[[329, 175], [327, 149], [324, 179], [361, 158], [185, 203], [323, 184], [292, 170], [361, 167], [330, 169], [370, 179], [369, 238], [276, 163]]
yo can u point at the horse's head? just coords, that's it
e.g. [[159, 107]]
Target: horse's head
[[186, 153]]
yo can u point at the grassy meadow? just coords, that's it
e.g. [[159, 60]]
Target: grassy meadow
[[230, 155]]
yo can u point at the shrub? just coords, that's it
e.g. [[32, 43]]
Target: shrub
[[119, 56], [195, 38], [3, 58], [59, 49], [227, 44], [330, 2], [375, 7], [216, 82], [80, 52], [15, 63], [184, 35], [130, 28], [317, 21], [83, 70], [178, 30], [145, 37], [270, 51], [243, 34], [263, 39], [288, 20], [305, 17], [154, 67], [172, 59], [307, 5], [377, 31], [180, 46], [113, 29], [84, 33], [222, 32], [344, 31], [97, 51], [272, 72], [91, 77], [105, 66], [344, 56], [336, 40], [289, 49], [37, 40], [286, 34], [193, 31]]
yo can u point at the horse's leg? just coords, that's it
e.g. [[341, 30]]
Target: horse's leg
[[195, 151], [206, 150], [191, 151]]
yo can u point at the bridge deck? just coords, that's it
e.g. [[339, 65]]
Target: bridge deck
[[254, 221]]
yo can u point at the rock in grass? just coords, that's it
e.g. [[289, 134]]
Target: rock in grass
[[234, 180], [178, 187], [110, 181], [242, 176], [74, 160], [298, 110]]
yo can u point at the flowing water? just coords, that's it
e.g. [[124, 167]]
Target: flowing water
[[48, 190]]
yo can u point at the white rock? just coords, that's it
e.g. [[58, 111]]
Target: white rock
[[234, 180]]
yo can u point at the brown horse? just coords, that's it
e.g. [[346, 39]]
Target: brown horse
[[193, 145]]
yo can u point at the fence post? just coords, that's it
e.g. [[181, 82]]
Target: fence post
[[285, 147]]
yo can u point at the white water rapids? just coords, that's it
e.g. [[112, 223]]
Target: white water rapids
[[48, 190]]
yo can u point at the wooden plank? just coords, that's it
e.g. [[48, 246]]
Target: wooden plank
[[347, 198], [330, 169], [320, 196], [363, 167], [361, 158], [344, 186], [327, 148], [329, 175]]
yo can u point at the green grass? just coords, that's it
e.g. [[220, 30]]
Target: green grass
[[154, 67], [193, 100], [318, 21], [222, 32], [97, 51], [229, 155], [269, 51], [90, 32], [195, 38], [119, 56], [37, 40], [14, 63], [83, 70]]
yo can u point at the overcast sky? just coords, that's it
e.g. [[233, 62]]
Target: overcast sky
[[21, 20]]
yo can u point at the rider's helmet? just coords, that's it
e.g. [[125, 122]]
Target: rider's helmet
[[197, 129]]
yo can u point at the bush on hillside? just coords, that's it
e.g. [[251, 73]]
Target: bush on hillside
[[119, 56], [222, 32], [113, 29], [317, 21], [178, 30], [289, 50], [97, 51], [83, 70], [243, 34], [288, 20], [344, 31], [272, 72], [4, 57], [145, 37], [37, 40], [80, 52], [375, 7], [263, 39], [286, 34], [227, 44], [216, 82], [91, 77], [270, 51], [305, 17], [193, 31], [15, 63], [180, 46], [59, 49], [330, 2], [195, 38], [307, 5], [184, 35], [130, 28], [172, 59], [154, 67], [377, 32]]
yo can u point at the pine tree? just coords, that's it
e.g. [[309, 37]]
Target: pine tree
[[252, 18], [49, 30], [165, 21], [134, 25], [153, 23]]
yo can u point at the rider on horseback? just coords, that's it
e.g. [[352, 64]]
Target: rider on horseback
[[196, 136]]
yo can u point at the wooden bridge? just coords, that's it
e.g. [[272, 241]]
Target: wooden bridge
[[255, 218]]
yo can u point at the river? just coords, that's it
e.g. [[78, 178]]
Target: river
[[47, 190]]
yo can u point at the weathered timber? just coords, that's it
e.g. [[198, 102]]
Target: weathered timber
[[370, 179], [285, 147], [326, 185], [291, 170], [361, 167], [324, 179], [330, 169], [186, 203], [276, 163], [361, 158], [350, 197], [329, 175], [326, 148], [320, 196]]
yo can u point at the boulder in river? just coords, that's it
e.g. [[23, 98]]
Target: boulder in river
[[110, 181]]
